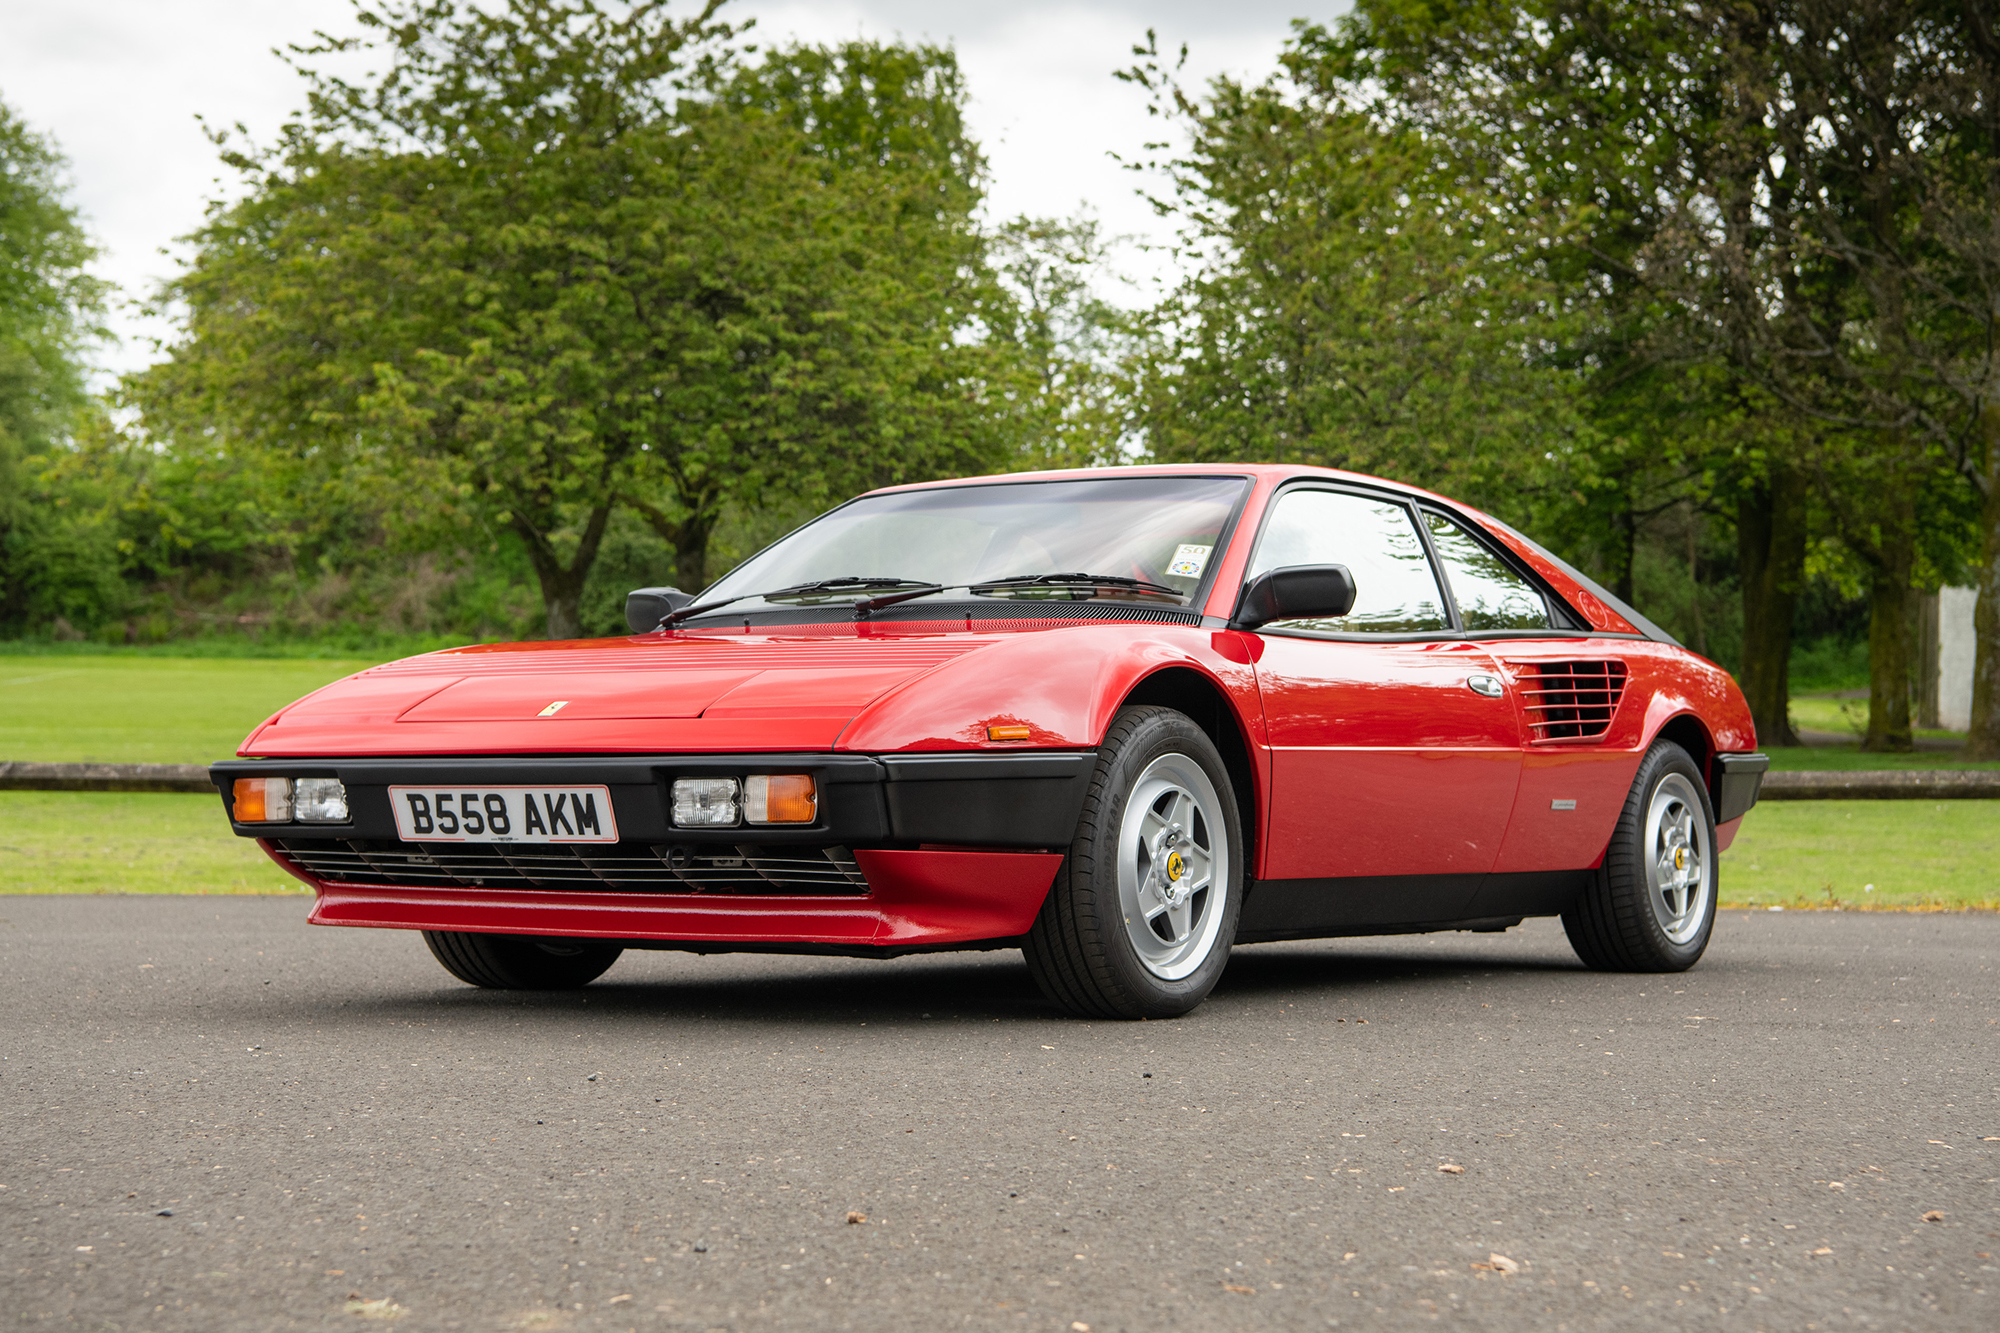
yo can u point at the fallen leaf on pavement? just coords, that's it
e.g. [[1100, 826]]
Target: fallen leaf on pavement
[[1240, 1291], [1934, 1216], [619, 1300], [1451, 1168], [856, 1219], [382, 1309], [1498, 1263], [1823, 1250]]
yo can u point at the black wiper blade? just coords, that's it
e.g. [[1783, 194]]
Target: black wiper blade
[[1077, 581], [796, 590]]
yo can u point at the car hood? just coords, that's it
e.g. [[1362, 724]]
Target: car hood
[[658, 692]]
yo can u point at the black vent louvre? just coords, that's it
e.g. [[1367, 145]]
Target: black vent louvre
[[1570, 701], [623, 867]]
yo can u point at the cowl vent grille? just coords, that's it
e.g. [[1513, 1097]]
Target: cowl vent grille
[[1570, 701]]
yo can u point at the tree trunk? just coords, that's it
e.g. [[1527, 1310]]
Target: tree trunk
[[688, 535], [1625, 524], [1890, 601], [562, 583], [1983, 740], [1771, 547]]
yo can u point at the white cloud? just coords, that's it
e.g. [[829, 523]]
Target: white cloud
[[119, 83]]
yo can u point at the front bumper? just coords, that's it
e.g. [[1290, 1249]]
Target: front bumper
[[907, 851]]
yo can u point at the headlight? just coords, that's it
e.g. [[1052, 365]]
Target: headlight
[[704, 802], [282, 800], [319, 801], [763, 798]]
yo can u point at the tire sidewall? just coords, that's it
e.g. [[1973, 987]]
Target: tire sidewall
[[1162, 732], [1663, 759]]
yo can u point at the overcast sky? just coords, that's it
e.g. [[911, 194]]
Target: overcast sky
[[119, 83]]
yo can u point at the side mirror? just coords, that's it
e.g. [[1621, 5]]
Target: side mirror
[[645, 608], [1296, 592]]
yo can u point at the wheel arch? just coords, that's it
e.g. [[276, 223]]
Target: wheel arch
[[1687, 731], [1202, 700]]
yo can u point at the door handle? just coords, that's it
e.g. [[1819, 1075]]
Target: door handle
[[1486, 686]]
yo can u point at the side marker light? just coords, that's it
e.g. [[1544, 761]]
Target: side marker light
[[1008, 733]]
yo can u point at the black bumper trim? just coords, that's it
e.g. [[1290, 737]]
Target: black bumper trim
[[989, 800], [1017, 799], [1739, 779]]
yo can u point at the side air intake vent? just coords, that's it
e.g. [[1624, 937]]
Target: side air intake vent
[[1570, 701]]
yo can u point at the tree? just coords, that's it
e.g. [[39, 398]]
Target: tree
[[1360, 295], [50, 314], [558, 259]]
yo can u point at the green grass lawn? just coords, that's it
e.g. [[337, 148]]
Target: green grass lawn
[[1914, 854], [117, 842], [1917, 854], [145, 709]]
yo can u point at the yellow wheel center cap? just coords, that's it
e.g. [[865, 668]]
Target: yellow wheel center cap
[[1680, 858], [1176, 865]]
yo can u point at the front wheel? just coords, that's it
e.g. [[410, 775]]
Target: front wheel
[[1142, 913], [1652, 907], [521, 962]]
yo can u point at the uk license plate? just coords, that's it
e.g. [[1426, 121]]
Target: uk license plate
[[504, 814]]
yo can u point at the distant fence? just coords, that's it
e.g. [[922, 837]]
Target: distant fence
[[1936, 784]]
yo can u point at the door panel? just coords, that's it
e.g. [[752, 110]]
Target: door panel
[[1383, 761]]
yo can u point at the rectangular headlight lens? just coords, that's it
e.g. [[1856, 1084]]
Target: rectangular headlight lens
[[319, 801], [780, 798], [261, 800], [704, 802]]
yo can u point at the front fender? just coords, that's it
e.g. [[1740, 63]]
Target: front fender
[[1063, 685]]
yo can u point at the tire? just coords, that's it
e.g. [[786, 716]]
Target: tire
[[1122, 935], [521, 962], [1652, 906]]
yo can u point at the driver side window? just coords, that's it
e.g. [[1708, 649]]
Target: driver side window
[[1396, 591]]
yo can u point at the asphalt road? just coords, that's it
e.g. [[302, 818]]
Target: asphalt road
[[342, 1133]]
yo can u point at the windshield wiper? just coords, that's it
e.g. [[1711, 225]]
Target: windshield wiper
[[910, 589], [799, 590], [1076, 581]]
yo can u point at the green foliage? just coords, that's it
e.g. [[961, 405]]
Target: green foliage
[[1362, 294], [51, 564], [553, 262]]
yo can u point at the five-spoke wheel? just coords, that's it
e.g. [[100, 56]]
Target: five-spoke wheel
[[1143, 911], [1652, 906]]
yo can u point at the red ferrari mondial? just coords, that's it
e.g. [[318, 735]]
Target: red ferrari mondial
[[1119, 719]]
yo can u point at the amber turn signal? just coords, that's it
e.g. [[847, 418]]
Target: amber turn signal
[[1014, 732], [780, 798], [261, 800]]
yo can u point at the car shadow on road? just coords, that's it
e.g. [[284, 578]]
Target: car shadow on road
[[952, 988], [1340, 971]]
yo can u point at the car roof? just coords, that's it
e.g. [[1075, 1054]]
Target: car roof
[[1268, 472]]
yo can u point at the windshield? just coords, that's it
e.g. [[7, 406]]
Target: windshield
[[1161, 530]]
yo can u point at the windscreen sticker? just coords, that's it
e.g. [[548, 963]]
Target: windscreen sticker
[[1189, 561]]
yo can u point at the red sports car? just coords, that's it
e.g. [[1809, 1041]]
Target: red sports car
[[1119, 719]]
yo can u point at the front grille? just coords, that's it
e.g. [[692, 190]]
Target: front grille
[[623, 867], [1570, 701]]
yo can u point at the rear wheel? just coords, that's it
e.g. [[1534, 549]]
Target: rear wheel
[[1652, 907], [1143, 911], [521, 962]]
